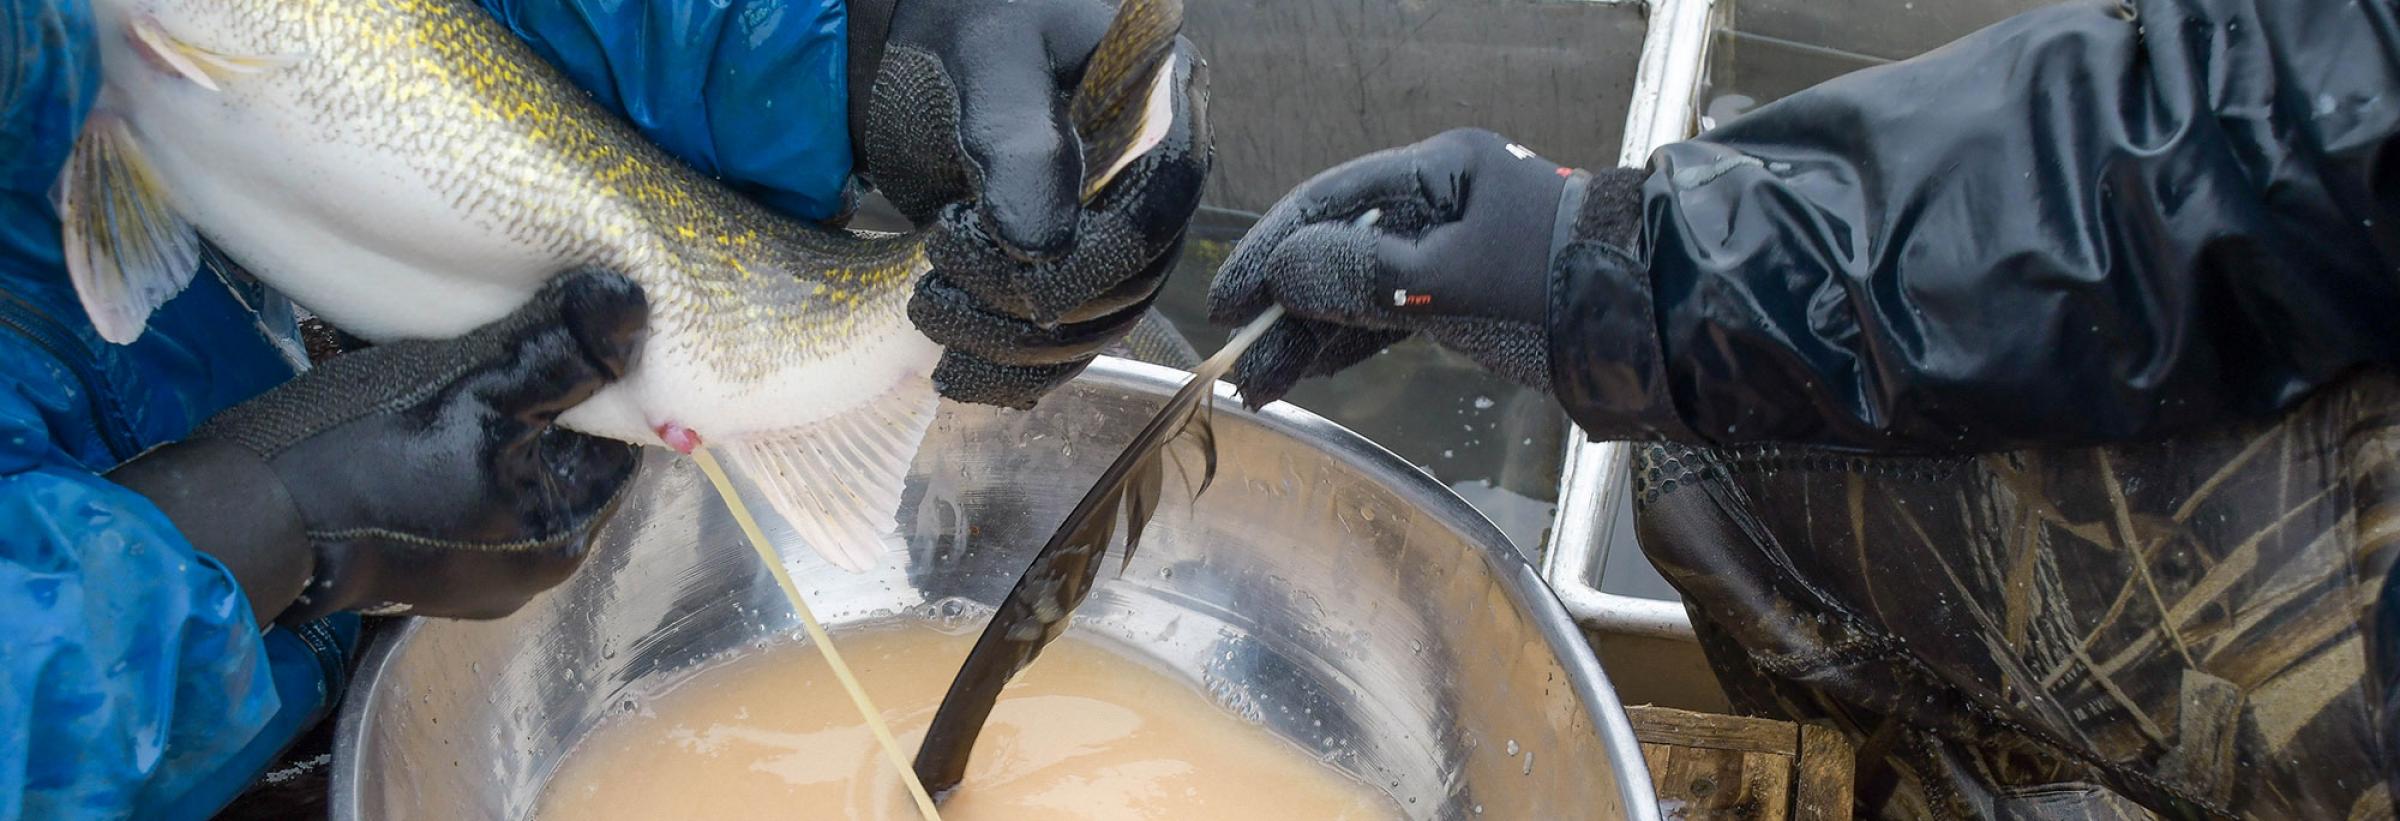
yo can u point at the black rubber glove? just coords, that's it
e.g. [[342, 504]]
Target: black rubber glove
[[1452, 237], [959, 116], [417, 477]]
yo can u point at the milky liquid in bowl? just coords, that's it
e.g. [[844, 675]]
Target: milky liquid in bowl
[[1088, 733], [1323, 591]]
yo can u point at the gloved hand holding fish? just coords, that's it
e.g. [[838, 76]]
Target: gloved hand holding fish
[[959, 116], [412, 171], [476, 502]]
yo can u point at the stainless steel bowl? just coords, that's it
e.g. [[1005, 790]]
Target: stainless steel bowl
[[1323, 588]]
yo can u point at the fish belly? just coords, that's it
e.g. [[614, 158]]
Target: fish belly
[[671, 390], [329, 214], [359, 238], [399, 207]]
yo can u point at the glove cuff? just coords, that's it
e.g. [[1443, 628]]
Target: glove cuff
[[1570, 209], [230, 504], [870, 26], [1606, 364], [1611, 210], [1603, 207]]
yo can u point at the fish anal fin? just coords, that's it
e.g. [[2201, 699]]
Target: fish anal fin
[[205, 67], [837, 482], [127, 250]]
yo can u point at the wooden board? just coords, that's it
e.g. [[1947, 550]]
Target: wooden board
[[1827, 769], [1708, 766]]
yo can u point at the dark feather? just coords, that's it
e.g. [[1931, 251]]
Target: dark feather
[[1142, 495], [1062, 574], [1107, 111], [1038, 608]]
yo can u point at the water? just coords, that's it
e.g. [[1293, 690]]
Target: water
[[1300, 85], [1777, 47], [1498, 445]]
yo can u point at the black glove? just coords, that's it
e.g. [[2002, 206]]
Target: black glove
[[959, 116], [421, 476], [1452, 236]]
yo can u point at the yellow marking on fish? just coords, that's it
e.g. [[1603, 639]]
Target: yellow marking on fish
[[519, 149]]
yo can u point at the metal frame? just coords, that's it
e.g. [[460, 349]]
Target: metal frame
[[1666, 99]]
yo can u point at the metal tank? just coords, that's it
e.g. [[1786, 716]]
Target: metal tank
[[1323, 589]]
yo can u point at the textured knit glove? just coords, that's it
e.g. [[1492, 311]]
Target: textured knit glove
[[960, 116], [1451, 237]]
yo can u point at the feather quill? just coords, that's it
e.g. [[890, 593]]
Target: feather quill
[[1062, 574]]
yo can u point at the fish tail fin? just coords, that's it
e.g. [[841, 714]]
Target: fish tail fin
[[127, 250], [1125, 103], [837, 482]]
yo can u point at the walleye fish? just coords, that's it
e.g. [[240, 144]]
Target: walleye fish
[[409, 169]]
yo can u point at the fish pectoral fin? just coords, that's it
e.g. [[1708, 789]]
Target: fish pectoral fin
[[837, 483], [127, 250], [203, 66]]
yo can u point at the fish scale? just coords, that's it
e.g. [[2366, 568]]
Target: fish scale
[[411, 169], [525, 153]]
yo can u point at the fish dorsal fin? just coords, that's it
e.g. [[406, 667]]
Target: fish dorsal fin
[[837, 483], [205, 67], [127, 250]]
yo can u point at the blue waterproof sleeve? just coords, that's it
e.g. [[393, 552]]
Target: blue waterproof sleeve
[[132, 666], [132, 681], [752, 91]]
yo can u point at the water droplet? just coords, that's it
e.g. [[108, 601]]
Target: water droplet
[[1483, 403]]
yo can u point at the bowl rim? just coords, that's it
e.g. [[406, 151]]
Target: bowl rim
[[1515, 573]]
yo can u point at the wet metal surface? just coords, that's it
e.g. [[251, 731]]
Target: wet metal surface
[[1492, 442], [1322, 589], [1297, 86]]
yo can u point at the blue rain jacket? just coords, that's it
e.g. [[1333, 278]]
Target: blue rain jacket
[[132, 679]]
